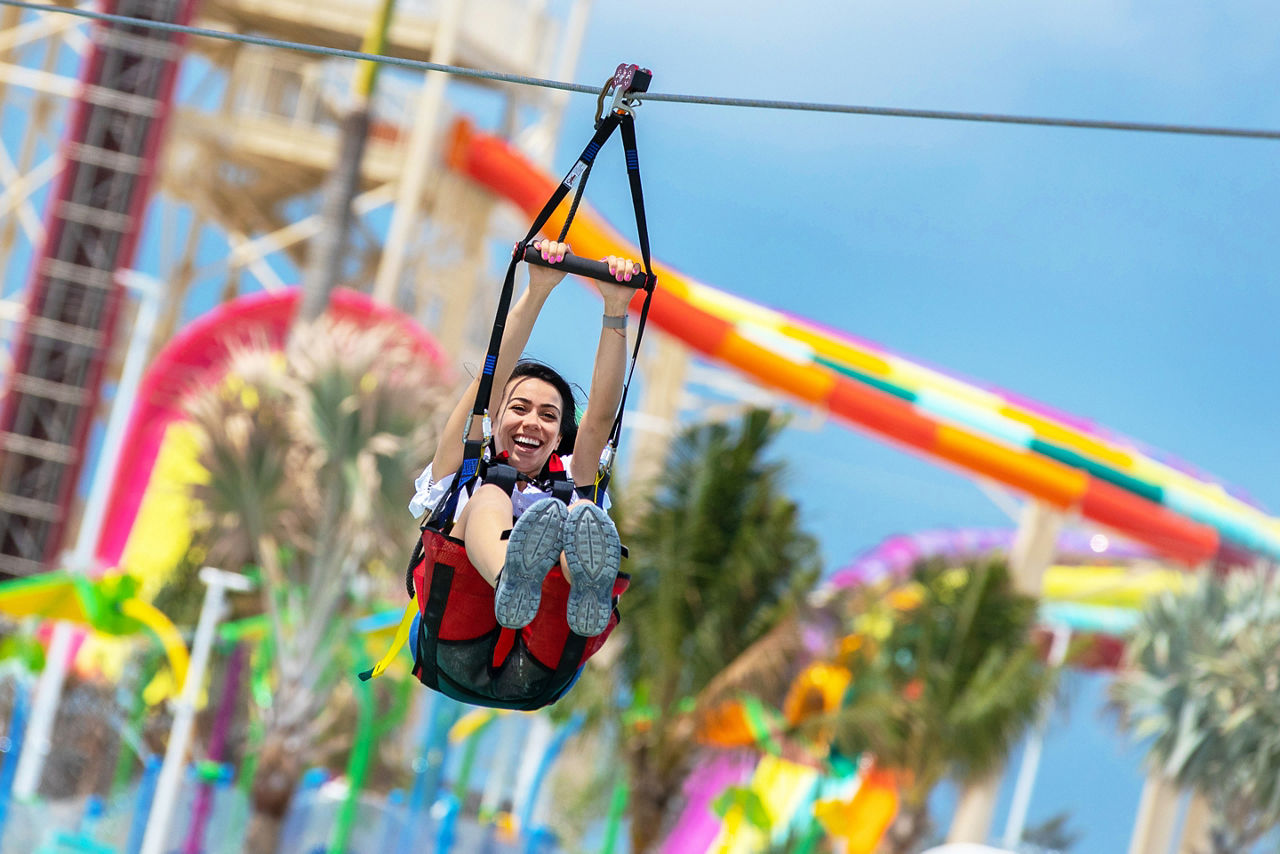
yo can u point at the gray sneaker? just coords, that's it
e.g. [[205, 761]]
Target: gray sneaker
[[534, 547], [593, 552]]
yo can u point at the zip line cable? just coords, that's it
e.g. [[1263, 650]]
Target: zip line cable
[[706, 100]]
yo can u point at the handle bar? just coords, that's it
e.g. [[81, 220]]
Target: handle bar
[[586, 267]]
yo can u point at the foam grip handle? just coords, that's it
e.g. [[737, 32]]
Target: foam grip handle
[[585, 267]]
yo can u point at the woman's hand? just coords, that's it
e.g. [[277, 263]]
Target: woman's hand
[[545, 278], [618, 297]]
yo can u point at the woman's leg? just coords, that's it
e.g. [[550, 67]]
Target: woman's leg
[[480, 525]]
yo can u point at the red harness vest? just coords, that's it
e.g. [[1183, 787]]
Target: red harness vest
[[461, 650], [457, 623]]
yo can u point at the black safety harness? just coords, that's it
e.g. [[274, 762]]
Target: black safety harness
[[479, 463]]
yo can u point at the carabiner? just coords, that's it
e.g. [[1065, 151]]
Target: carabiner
[[628, 80]]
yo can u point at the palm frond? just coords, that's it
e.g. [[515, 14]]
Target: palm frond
[[947, 686], [719, 570], [1203, 685], [309, 455]]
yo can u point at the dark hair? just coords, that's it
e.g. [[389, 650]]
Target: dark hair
[[568, 411]]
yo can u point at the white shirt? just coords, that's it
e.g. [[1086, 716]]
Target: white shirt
[[428, 493]]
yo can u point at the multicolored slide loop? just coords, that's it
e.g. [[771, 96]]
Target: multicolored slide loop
[[1059, 460]]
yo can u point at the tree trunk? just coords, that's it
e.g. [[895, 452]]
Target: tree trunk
[[324, 260], [908, 830], [650, 799], [280, 766]]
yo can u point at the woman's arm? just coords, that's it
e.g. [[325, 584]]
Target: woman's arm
[[520, 320], [606, 377]]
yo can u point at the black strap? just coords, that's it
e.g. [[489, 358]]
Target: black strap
[[473, 449], [627, 123], [642, 236], [429, 625], [566, 667], [418, 550], [503, 476]]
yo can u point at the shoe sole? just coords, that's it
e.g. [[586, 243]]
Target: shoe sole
[[534, 547], [593, 553]]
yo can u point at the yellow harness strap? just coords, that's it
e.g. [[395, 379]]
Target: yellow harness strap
[[402, 635]]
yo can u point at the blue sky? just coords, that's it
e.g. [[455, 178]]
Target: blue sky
[[1121, 277]]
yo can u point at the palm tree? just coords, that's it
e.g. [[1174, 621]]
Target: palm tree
[[717, 562], [946, 679], [307, 455], [1202, 682]]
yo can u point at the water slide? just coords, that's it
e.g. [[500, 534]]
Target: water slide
[[1065, 462], [146, 529], [1093, 591]]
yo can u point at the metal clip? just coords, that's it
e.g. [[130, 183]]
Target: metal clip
[[486, 426], [628, 81]]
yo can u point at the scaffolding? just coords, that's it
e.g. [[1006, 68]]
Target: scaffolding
[[91, 230], [250, 142]]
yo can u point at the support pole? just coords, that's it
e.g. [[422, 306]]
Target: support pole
[[420, 157], [536, 743], [655, 424], [500, 771], [1032, 552], [1034, 546], [1030, 765], [26, 780], [539, 140], [217, 584], [972, 821], [1196, 826], [1154, 828], [149, 292]]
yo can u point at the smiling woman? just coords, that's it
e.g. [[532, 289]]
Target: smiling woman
[[517, 574], [514, 581], [535, 427]]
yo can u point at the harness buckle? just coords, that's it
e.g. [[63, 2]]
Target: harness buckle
[[629, 80], [466, 428]]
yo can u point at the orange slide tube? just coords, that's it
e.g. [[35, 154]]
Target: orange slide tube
[[495, 165]]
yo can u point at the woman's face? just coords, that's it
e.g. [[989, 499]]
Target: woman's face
[[529, 423]]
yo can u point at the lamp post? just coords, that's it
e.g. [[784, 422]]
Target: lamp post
[[217, 583]]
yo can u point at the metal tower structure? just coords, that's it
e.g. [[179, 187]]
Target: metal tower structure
[[91, 229], [250, 141]]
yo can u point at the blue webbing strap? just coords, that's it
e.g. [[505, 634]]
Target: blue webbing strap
[[651, 280], [473, 449]]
